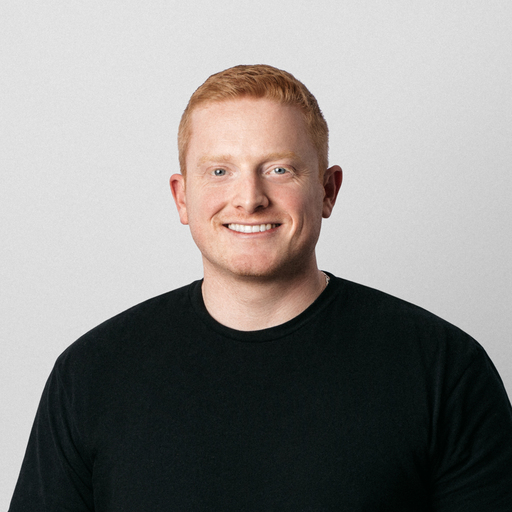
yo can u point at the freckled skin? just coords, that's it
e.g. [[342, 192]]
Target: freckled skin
[[250, 161]]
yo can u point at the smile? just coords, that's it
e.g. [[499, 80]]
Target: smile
[[245, 228]]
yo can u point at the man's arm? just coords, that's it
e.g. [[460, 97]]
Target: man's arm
[[54, 475], [473, 458]]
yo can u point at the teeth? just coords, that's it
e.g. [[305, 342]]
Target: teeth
[[243, 228]]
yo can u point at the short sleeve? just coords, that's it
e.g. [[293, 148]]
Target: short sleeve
[[472, 465], [54, 475]]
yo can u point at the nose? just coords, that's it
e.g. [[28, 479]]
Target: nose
[[250, 194]]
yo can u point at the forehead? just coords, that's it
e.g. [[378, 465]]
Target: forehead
[[247, 124]]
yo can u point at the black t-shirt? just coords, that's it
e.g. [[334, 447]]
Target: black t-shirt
[[363, 402]]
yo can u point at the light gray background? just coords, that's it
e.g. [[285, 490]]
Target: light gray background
[[418, 99]]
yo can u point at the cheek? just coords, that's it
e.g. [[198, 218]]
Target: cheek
[[309, 205], [311, 212], [201, 209]]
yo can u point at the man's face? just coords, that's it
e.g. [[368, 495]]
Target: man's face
[[252, 195]]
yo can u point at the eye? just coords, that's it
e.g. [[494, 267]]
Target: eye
[[219, 172], [279, 170]]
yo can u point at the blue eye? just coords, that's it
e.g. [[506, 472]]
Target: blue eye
[[279, 170], [219, 172]]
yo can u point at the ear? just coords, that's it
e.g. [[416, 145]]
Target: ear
[[331, 183], [177, 183]]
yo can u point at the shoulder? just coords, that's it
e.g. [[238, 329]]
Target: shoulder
[[389, 324], [376, 306], [424, 356], [134, 332], [366, 300]]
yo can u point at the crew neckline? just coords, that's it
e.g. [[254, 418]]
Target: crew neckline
[[269, 333]]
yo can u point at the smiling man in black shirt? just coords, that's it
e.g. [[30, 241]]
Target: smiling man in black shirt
[[269, 384]]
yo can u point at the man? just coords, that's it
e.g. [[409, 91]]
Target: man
[[268, 385]]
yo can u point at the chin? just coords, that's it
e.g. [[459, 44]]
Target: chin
[[271, 270], [255, 272], [250, 268], [259, 266]]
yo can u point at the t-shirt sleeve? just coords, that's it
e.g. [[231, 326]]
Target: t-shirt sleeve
[[54, 475], [472, 466]]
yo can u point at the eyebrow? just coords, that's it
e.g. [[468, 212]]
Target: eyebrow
[[269, 156]]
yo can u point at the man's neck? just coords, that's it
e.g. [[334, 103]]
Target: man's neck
[[250, 304]]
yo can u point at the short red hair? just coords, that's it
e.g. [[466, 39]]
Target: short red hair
[[258, 81]]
